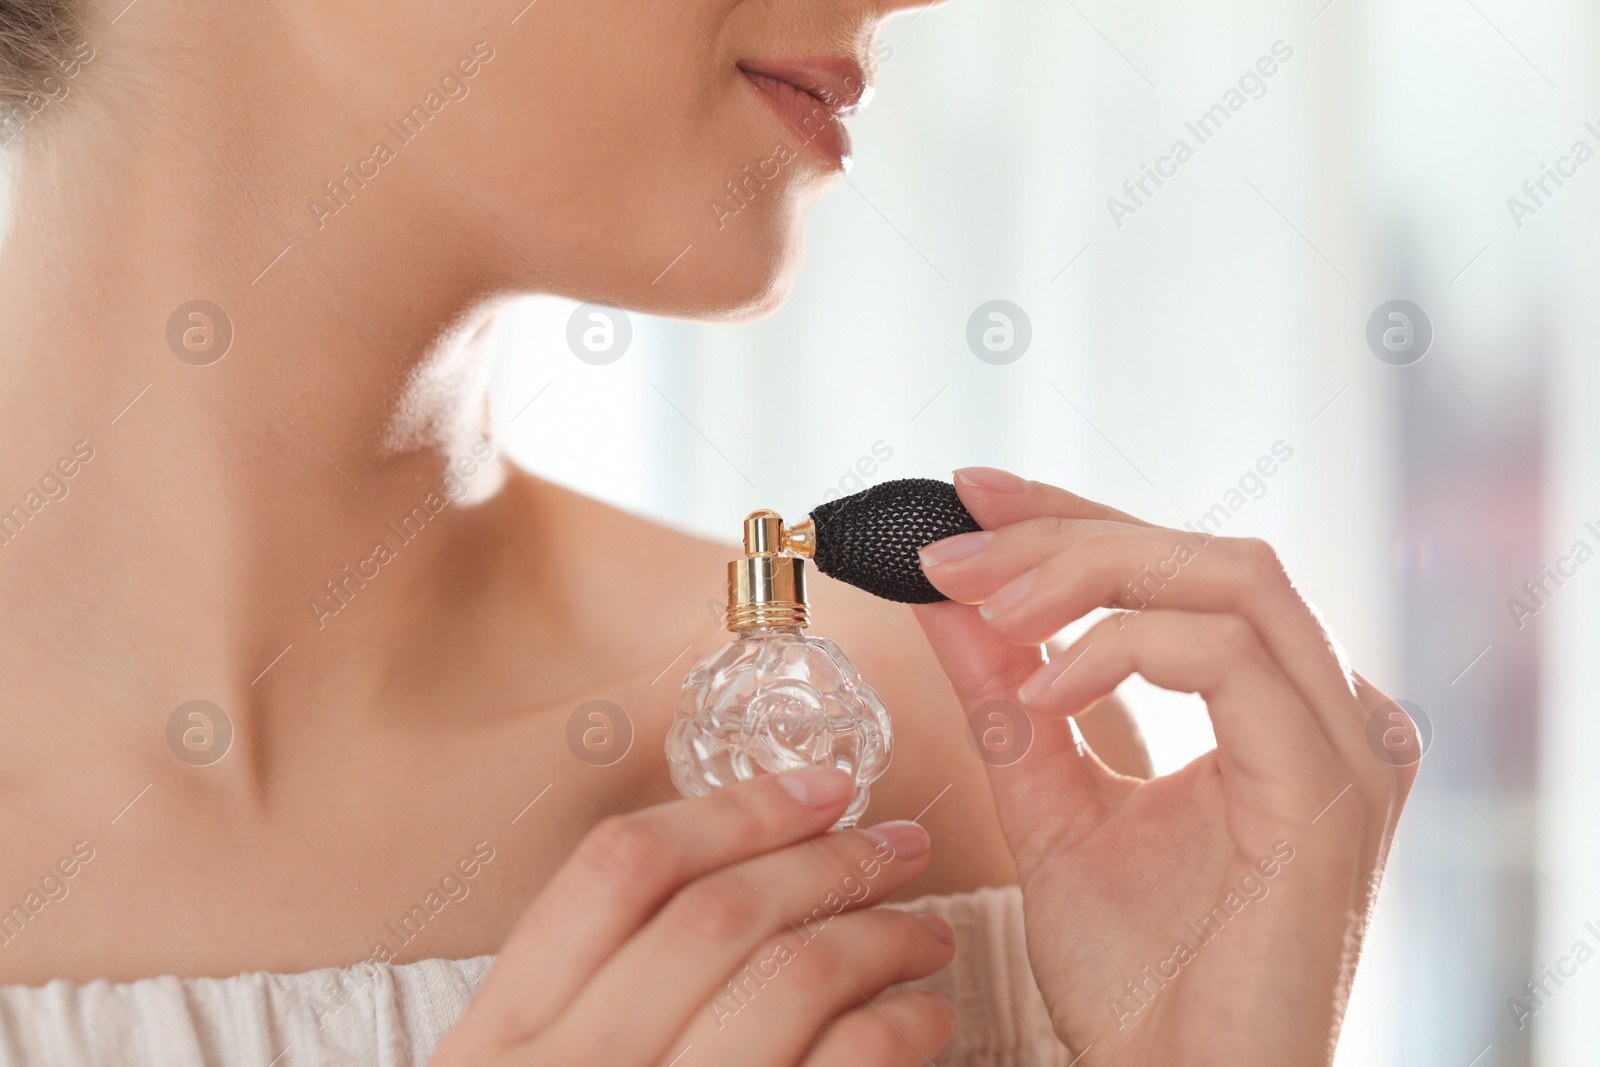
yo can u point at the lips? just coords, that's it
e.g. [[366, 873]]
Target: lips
[[813, 98]]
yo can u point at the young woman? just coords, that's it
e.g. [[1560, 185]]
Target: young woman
[[245, 305]]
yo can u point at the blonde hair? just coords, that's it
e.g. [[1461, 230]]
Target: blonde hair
[[37, 39]]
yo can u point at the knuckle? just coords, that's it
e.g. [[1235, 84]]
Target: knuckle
[[1186, 543], [627, 848], [716, 908], [1259, 560], [753, 818], [1234, 638], [1109, 629], [816, 967], [838, 852], [1051, 526]]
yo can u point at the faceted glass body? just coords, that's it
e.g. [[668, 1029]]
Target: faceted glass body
[[776, 700]]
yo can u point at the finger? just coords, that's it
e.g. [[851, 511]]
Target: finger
[[771, 1011], [985, 671], [898, 1030], [708, 929], [973, 567], [1273, 754], [1377, 703], [626, 868], [999, 498], [1376, 853], [1039, 575], [1109, 728]]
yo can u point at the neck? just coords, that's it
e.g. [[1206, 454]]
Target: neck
[[208, 505]]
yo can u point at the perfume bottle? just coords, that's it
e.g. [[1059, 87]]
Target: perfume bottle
[[776, 699]]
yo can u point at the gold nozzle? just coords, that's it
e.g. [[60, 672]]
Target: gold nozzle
[[768, 586], [801, 539]]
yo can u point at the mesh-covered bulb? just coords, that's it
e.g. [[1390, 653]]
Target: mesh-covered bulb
[[871, 538]]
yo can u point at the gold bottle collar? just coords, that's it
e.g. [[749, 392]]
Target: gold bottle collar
[[768, 586]]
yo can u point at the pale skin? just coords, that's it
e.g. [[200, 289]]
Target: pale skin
[[389, 740]]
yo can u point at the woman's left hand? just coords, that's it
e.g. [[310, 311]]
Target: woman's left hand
[[1215, 914]]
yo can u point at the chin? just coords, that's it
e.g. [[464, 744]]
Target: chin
[[742, 272], [756, 289], [733, 292]]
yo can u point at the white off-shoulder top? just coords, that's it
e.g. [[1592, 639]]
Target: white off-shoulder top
[[395, 1016]]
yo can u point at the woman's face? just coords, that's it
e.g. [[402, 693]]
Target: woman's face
[[654, 154]]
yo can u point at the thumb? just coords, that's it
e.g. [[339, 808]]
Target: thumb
[[978, 663], [1029, 756]]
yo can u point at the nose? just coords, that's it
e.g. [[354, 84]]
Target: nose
[[878, 11]]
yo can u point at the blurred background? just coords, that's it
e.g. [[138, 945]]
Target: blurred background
[[1158, 342]]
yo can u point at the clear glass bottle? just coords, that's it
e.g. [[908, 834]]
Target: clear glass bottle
[[775, 699]]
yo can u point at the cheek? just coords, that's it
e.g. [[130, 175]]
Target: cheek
[[615, 156]]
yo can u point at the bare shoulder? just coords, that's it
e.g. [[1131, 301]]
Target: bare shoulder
[[683, 586]]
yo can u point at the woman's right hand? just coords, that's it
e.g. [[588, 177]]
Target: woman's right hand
[[733, 925]]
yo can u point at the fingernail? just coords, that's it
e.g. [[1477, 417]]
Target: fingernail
[[1009, 595], [1038, 682], [991, 478], [955, 548], [905, 840], [818, 787], [937, 926]]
